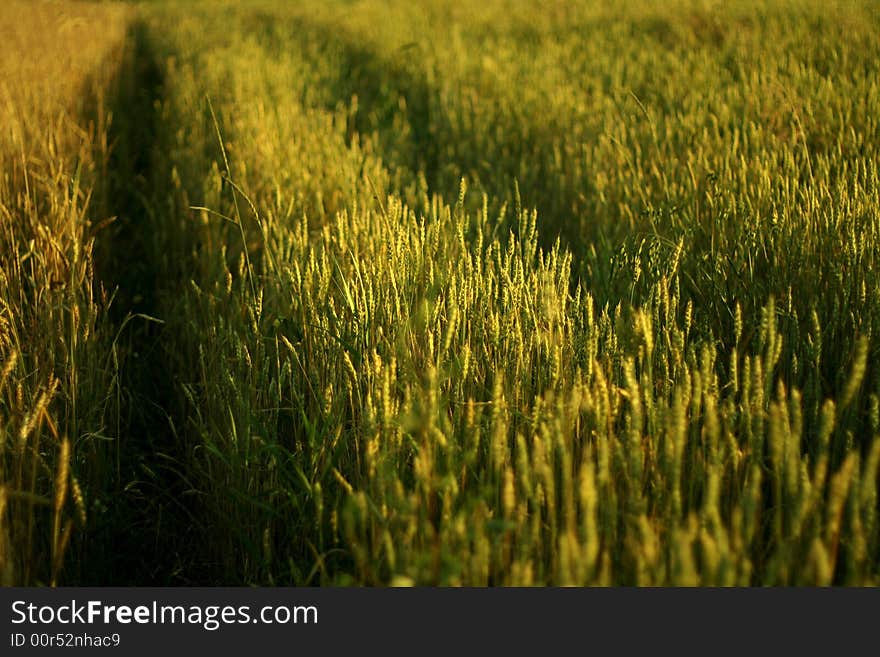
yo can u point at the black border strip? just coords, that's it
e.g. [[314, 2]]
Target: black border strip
[[476, 621]]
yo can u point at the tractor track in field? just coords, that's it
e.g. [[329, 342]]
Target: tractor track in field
[[144, 535]]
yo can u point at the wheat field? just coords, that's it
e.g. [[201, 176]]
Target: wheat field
[[392, 293]]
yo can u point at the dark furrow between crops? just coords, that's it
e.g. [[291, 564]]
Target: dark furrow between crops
[[140, 538], [390, 89]]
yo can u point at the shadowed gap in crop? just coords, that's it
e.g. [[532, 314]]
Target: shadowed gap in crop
[[138, 537]]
